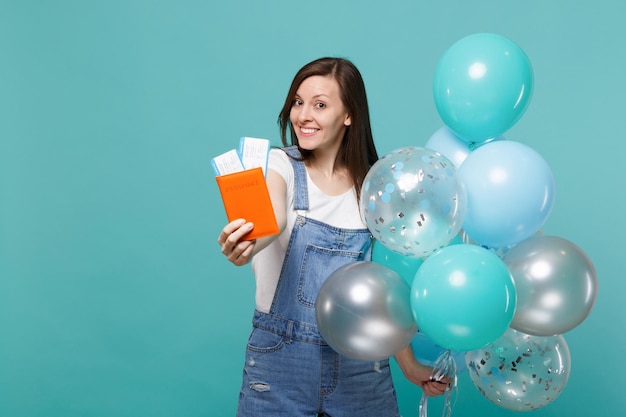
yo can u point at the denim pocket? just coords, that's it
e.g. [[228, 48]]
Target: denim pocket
[[317, 265], [264, 341]]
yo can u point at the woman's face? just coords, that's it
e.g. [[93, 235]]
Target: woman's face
[[318, 115]]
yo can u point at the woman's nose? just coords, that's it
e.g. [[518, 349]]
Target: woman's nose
[[305, 114]]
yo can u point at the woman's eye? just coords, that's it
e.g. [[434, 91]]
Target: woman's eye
[[297, 102], [320, 105]]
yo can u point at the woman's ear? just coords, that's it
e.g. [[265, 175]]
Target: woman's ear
[[348, 120]]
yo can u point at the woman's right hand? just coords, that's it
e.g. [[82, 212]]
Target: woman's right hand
[[236, 250]]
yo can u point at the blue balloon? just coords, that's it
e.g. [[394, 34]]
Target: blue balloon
[[447, 143], [510, 193], [463, 297], [482, 86]]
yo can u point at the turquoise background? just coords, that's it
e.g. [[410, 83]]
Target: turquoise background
[[114, 297]]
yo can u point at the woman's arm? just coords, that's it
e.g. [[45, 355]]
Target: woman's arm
[[418, 373]]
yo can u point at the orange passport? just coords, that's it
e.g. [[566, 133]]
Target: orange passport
[[245, 196]]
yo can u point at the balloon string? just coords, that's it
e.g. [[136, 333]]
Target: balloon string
[[423, 407], [444, 368]]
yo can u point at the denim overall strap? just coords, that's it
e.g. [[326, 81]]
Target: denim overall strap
[[301, 199], [314, 252]]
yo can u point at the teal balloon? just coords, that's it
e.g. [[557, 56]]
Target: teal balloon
[[463, 297], [482, 86], [458, 239], [510, 193], [405, 266]]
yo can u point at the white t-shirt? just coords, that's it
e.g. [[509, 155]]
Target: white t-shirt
[[338, 211]]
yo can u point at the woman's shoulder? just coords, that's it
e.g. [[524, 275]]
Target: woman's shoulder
[[279, 161], [278, 154]]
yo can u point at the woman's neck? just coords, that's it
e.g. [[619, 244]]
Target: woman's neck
[[332, 180]]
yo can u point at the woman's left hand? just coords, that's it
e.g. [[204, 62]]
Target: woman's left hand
[[420, 374]]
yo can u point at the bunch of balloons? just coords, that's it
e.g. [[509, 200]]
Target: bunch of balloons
[[458, 243]]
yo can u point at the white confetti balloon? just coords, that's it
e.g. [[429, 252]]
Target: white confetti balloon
[[413, 202]]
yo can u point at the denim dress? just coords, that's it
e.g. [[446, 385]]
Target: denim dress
[[290, 370]]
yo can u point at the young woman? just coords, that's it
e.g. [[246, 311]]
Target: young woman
[[314, 183]]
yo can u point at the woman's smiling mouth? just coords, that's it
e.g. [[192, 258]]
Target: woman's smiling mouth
[[308, 130]]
